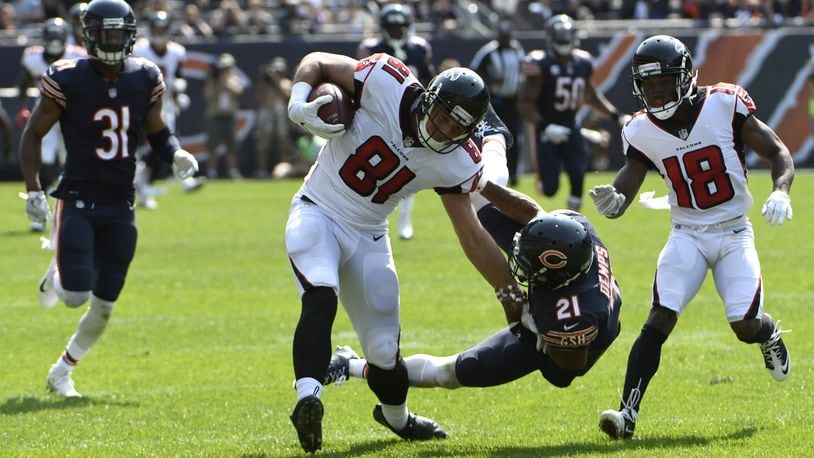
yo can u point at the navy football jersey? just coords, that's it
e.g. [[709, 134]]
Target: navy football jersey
[[563, 90], [101, 124], [585, 312], [417, 54]]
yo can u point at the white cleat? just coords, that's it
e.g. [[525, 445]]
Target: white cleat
[[60, 382], [47, 291], [148, 203], [191, 184]]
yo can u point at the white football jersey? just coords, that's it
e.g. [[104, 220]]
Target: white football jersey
[[168, 63], [704, 167], [34, 62], [361, 176]]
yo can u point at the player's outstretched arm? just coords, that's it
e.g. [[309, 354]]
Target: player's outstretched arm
[[612, 200], [766, 144], [46, 113], [164, 142], [321, 67], [484, 254]]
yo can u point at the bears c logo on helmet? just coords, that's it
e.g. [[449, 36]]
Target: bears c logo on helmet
[[553, 259]]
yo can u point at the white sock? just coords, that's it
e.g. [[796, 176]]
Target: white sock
[[64, 365], [91, 326], [308, 386], [395, 415], [432, 371], [357, 368]]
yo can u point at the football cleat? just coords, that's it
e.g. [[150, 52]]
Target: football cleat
[[60, 382], [339, 367], [616, 424], [307, 419], [776, 355], [191, 184], [47, 291], [418, 428], [37, 226]]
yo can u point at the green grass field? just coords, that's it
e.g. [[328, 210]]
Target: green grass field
[[196, 360]]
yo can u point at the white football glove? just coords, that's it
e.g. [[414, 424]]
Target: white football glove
[[36, 207], [777, 208], [304, 113], [556, 133], [184, 164], [607, 200]]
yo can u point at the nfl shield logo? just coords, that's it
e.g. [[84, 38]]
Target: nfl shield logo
[[683, 134], [112, 92]]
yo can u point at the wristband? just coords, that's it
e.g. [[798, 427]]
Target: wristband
[[164, 143]]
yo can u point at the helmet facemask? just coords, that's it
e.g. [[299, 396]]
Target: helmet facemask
[[562, 34], [109, 40], [434, 110], [680, 90]]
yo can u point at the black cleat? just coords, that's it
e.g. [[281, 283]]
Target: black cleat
[[418, 428], [307, 419], [339, 368]]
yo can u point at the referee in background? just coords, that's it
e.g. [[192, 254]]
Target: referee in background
[[498, 63]]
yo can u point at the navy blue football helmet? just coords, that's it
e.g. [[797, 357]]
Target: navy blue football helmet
[[551, 251], [55, 33], [109, 29]]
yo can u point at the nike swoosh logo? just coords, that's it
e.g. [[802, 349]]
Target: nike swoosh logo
[[738, 231], [377, 238], [568, 328]]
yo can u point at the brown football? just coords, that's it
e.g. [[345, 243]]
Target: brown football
[[339, 110]]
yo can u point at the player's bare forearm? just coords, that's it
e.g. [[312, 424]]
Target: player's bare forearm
[[30, 160], [526, 100], [478, 245], [514, 204], [628, 181], [318, 67], [782, 167], [766, 144]]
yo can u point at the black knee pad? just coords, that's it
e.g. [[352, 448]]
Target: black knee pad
[[390, 386]]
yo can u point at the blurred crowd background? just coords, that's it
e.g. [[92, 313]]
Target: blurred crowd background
[[222, 19], [263, 40]]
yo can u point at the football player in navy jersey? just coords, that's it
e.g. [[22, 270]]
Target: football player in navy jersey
[[102, 104], [571, 318], [572, 315], [397, 39], [556, 83]]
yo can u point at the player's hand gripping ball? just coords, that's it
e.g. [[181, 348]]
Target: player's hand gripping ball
[[339, 110]]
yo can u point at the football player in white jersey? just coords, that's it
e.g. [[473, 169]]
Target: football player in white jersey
[[402, 139], [35, 62], [695, 138], [169, 56]]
